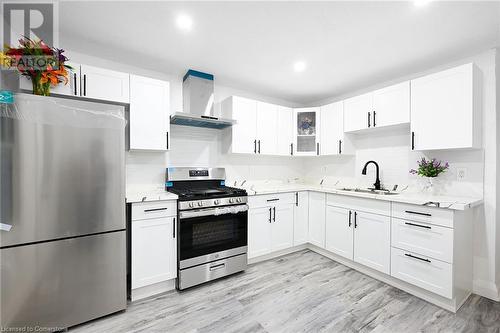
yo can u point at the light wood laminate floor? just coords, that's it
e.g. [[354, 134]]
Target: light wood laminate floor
[[299, 292]]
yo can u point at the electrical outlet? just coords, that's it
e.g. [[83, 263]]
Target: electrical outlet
[[461, 174]]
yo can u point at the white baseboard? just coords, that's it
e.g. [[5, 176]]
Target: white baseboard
[[277, 254], [152, 290], [486, 289]]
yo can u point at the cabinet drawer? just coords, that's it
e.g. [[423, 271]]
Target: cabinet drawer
[[271, 199], [427, 273], [359, 204], [153, 209], [432, 215], [423, 238]]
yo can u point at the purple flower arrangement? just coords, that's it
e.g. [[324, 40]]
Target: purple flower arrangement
[[430, 168]]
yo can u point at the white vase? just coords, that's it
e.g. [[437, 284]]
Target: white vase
[[429, 186]]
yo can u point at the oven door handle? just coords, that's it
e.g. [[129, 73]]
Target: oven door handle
[[213, 211]]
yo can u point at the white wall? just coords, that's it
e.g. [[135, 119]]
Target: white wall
[[392, 151], [196, 146]]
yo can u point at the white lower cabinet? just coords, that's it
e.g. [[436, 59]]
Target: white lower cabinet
[[372, 241], [301, 218], [282, 227], [424, 272], [317, 205], [359, 236], [259, 231], [154, 245], [339, 231], [270, 226]]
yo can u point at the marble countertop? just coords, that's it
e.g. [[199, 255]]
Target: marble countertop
[[445, 201], [157, 193], [148, 193]]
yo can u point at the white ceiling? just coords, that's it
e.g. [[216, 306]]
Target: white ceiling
[[253, 45]]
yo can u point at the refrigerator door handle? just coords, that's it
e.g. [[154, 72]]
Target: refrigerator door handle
[[5, 227]]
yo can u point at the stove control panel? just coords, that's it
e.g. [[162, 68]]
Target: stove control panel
[[207, 203], [198, 173]]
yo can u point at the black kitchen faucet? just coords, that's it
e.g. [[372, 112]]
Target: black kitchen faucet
[[377, 181]]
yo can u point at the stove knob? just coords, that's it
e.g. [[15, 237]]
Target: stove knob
[[191, 204], [200, 203], [216, 202], [239, 200], [231, 200]]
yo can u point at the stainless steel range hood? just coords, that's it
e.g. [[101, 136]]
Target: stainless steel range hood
[[198, 103]]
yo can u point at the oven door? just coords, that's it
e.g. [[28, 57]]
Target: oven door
[[211, 234]]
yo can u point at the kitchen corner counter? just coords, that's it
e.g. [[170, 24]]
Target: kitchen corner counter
[[444, 201], [148, 194]]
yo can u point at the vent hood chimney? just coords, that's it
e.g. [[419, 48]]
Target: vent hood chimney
[[198, 103]]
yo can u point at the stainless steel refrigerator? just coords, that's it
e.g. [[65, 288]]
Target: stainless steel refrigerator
[[62, 211]]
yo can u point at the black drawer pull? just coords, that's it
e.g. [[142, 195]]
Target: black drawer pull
[[154, 210], [270, 200], [418, 225], [417, 213], [350, 214], [415, 257]]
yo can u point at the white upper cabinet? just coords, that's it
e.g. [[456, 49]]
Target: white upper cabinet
[[391, 105], [357, 113], [332, 139], [149, 114], [267, 126], [285, 131], [105, 84], [244, 132], [384, 107], [446, 109], [306, 131]]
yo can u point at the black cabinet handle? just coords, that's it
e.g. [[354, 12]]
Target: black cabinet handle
[[418, 225], [369, 119], [374, 124], [84, 84], [415, 257], [274, 217], [297, 199], [340, 147], [317, 148], [154, 210], [291, 149], [259, 146], [417, 213], [412, 140], [271, 200], [350, 213], [74, 82], [355, 219], [174, 229], [168, 143], [270, 214], [255, 146]]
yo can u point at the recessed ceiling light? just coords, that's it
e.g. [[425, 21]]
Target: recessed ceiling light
[[299, 66], [421, 3], [184, 22]]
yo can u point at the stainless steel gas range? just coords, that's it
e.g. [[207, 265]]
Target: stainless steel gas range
[[212, 225]]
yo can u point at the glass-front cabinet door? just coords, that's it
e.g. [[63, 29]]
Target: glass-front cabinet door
[[306, 131]]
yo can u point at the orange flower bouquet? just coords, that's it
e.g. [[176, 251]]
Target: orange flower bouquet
[[44, 65]]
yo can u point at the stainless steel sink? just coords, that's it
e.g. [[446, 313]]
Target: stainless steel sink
[[370, 191]]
